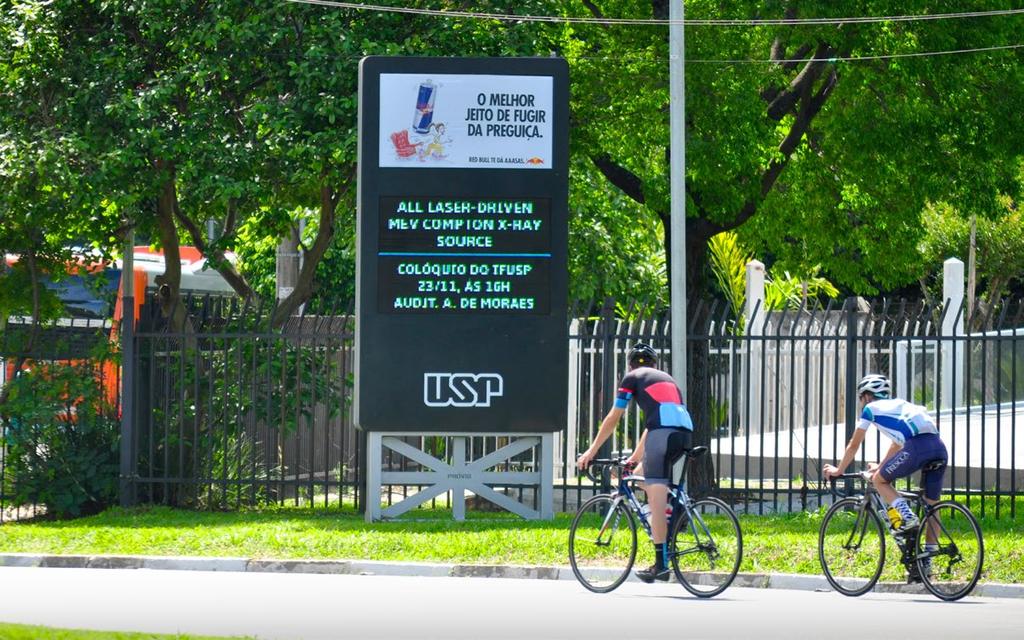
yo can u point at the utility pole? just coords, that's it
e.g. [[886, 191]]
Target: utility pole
[[287, 264], [677, 169]]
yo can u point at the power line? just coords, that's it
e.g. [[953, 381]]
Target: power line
[[884, 56], [645, 58], [753, 22]]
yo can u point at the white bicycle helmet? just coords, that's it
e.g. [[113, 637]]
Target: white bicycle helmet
[[876, 384]]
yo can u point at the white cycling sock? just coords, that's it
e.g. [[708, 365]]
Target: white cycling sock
[[900, 504]]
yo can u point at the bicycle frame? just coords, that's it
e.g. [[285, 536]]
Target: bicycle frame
[[679, 500], [905, 542], [712, 556]]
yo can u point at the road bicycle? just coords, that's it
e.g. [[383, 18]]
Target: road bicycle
[[705, 544], [851, 543]]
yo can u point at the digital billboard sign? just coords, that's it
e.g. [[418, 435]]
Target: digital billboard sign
[[462, 240]]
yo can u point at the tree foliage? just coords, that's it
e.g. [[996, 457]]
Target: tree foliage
[[999, 247], [818, 159], [237, 111], [729, 266], [814, 141]]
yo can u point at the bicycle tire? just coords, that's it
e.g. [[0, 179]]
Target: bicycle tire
[[601, 561], [851, 571], [707, 568], [956, 568]]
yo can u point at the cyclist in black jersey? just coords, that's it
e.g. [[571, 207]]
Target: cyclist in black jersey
[[667, 434]]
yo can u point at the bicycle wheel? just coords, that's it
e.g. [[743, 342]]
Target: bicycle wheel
[[706, 549], [952, 570], [602, 543], [851, 547]]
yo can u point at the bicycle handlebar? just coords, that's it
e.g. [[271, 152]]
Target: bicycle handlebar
[[863, 475], [603, 464]]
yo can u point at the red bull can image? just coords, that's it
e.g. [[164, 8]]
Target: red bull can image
[[424, 107]]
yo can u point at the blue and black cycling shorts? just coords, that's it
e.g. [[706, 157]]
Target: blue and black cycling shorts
[[916, 453]]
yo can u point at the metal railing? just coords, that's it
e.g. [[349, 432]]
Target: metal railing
[[70, 380], [777, 399], [230, 413]]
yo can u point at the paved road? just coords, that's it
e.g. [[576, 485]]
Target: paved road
[[294, 606]]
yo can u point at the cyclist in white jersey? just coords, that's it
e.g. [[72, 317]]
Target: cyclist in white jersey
[[915, 443]]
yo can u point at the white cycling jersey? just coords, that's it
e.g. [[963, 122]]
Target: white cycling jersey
[[898, 419]]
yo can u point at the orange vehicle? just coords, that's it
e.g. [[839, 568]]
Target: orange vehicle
[[92, 301]]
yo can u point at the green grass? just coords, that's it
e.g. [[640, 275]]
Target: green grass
[[25, 632], [777, 543]]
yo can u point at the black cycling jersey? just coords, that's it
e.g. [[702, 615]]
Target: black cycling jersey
[[658, 396]]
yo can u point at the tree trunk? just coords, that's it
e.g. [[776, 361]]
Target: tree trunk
[[169, 282], [329, 198], [702, 475], [215, 255], [972, 281], [703, 478]]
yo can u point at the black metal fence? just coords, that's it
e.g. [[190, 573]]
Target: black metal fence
[[59, 419], [230, 413], [777, 397]]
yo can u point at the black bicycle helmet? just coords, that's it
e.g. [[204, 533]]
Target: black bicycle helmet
[[643, 355]]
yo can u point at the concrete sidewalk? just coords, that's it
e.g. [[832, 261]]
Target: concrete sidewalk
[[422, 569]]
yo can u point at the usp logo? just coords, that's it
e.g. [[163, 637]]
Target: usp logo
[[461, 389]]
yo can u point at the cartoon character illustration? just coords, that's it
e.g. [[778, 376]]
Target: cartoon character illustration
[[436, 147], [403, 147]]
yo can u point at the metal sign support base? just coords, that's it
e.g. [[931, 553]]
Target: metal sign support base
[[459, 475]]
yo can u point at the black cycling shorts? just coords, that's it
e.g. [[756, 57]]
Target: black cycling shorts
[[662, 449]]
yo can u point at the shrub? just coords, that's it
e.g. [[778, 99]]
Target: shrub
[[61, 438]]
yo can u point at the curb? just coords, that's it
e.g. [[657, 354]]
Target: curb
[[792, 581]]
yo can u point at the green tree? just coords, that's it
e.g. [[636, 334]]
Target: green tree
[[186, 112], [822, 159], [37, 189], [237, 111], [999, 250]]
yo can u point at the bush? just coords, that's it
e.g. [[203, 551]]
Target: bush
[[61, 437]]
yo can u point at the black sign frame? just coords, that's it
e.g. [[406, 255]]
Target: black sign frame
[[500, 369]]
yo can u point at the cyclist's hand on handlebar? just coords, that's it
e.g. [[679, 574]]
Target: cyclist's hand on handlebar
[[829, 471], [872, 467], [584, 460]]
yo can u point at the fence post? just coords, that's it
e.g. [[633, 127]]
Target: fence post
[[126, 475], [851, 366], [755, 304], [571, 431], [607, 373], [952, 327]]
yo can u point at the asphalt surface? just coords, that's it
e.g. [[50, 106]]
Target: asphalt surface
[[308, 606]]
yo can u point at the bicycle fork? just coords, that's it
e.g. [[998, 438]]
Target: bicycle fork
[[859, 530], [610, 524]]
